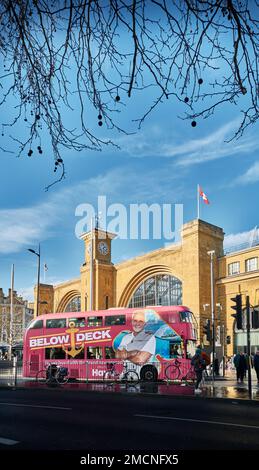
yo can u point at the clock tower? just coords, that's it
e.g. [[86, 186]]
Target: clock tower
[[98, 272]]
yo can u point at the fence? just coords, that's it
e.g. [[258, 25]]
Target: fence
[[10, 372]]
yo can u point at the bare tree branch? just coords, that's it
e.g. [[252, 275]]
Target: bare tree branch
[[70, 65]]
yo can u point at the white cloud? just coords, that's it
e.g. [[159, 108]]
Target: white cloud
[[22, 228], [25, 226], [27, 293], [241, 239], [250, 176], [154, 143]]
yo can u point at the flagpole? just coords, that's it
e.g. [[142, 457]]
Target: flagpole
[[198, 202]]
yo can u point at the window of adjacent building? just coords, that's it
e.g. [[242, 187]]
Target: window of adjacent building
[[115, 320], [94, 321], [56, 323], [234, 268], [79, 322], [251, 264]]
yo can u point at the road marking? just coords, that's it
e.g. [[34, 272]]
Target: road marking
[[36, 406], [199, 421], [8, 442]]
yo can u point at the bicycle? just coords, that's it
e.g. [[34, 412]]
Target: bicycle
[[173, 372], [207, 375], [130, 376], [53, 374]]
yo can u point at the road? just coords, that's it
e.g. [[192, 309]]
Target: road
[[75, 420]]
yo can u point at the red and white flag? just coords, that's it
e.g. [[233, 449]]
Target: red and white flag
[[203, 195]]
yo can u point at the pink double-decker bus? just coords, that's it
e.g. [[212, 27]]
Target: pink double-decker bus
[[147, 339]]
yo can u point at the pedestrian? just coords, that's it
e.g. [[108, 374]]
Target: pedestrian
[[216, 366], [256, 365], [199, 365], [240, 363]]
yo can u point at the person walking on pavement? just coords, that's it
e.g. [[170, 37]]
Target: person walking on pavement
[[256, 365], [240, 363], [199, 365]]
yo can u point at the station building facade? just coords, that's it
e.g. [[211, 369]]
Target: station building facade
[[178, 274]]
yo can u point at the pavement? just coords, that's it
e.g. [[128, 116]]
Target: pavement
[[222, 388]]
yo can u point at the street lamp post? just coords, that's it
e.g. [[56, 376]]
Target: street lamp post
[[211, 254], [221, 330], [38, 278]]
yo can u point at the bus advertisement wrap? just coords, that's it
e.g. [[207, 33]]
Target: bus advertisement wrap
[[136, 336]]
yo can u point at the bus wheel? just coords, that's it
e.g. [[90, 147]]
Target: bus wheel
[[148, 374]]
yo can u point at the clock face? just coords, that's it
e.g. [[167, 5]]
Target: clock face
[[103, 248]]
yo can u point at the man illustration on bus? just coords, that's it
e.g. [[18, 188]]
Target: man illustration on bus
[[138, 346]]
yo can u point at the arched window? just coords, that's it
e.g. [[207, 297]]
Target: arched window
[[74, 305], [162, 289]]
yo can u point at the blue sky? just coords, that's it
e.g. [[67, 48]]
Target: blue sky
[[161, 163]]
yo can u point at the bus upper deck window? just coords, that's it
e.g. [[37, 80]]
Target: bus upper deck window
[[115, 320], [185, 317], [78, 322], [36, 324], [94, 321], [56, 323]]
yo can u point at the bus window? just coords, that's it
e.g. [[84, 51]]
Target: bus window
[[94, 353], [78, 322], [36, 324], [109, 353], [55, 353], [115, 320], [94, 321], [185, 317], [56, 323], [176, 350]]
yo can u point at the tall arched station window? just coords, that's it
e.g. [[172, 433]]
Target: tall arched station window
[[74, 305], [162, 289]]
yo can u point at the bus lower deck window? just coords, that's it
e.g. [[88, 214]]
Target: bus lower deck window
[[109, 353], [55, 353], [94, 353]]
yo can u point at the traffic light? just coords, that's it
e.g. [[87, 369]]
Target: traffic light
[[228, 339], [207, 331], [238, 308], [255, 319]]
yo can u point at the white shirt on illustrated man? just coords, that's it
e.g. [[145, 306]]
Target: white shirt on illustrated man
[[138, 346]]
